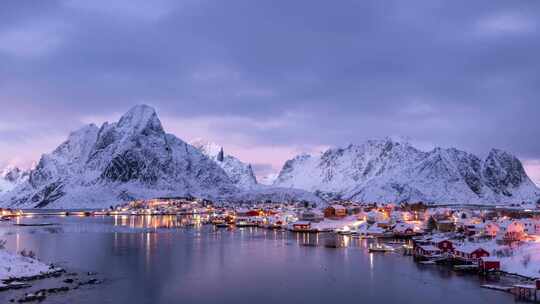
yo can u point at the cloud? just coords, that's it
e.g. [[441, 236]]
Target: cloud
[[270, 79], [131, 9], [29, 42], [507, 23]]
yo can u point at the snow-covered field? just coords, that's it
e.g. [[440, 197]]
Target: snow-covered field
[[14, 265]]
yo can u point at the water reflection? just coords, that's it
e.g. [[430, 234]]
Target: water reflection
[[159, 222], [171, 259]]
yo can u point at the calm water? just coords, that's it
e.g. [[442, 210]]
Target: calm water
[[145, 262]]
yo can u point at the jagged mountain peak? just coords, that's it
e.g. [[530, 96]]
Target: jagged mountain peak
[[139, 119], [209, 148], [240, 173], [504, 172]]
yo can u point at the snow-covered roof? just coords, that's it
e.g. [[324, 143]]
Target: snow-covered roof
[[468, 248], [429, 248]]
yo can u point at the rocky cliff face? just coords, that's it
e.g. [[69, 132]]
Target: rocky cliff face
[[387, 170]]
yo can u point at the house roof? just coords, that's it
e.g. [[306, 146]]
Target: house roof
[[469, 248], [429, 248]]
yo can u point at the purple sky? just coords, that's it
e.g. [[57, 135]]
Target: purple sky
[[270, 79]]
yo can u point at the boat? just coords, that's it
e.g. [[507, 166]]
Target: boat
[[381, 248], [244, 222], [220, 223]]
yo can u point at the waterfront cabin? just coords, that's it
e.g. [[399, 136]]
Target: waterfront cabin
[[253, 212], [426, 251], [335, 211], [301, 226], [486, 264], [445, 245], [470, 253], [244, 222], [242, 212]]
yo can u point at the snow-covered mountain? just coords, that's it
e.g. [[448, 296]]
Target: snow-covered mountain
[[12, 176], [133, 158], [240, 173], [388, 170]]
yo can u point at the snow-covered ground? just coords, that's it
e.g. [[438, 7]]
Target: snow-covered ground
[[15, 266], [524, 261]]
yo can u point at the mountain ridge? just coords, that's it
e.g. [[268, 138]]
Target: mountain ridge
[[388, 170]]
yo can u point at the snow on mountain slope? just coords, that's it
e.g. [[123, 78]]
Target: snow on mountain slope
[[387, 170], [11, 176], [240, 173], [132, 158]]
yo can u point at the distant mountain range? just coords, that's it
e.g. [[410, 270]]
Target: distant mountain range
[[393, 171], [135, 158]]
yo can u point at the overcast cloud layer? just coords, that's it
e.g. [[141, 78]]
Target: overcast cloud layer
[[269, 79]]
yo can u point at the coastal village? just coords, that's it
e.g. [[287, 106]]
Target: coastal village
[[490, 241]]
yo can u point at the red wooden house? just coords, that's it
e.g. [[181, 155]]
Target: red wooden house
[[426, 251], [335, 211], [489, 263], [470, 253], [445, 245]]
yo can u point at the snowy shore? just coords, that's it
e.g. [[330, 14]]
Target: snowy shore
[[14, 265]]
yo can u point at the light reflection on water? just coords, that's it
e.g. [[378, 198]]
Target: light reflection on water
[[168, 259]]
